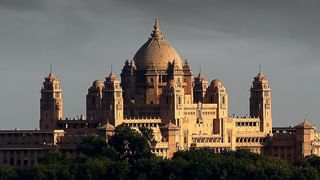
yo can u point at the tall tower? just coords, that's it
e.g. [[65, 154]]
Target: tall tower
[[94, 100], [51, 109], [260, 102], [188, 79], [112, 101]]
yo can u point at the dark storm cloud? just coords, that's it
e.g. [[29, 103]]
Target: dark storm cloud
[[230, 38], [22, 5], [283, 22]]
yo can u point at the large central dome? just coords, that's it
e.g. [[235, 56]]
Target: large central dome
[[156, 52]]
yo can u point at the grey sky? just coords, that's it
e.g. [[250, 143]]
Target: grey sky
[[229, 38]]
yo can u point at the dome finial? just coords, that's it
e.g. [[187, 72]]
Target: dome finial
[[156, 23], [156, 33], [50, 68]]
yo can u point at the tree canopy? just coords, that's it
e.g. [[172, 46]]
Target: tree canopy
[[127, 155]]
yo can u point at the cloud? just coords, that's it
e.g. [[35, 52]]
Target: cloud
[[22, 5], [81, 38]]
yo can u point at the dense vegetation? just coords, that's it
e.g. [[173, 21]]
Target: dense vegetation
[[128, 156]]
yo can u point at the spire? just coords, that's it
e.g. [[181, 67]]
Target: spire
[[112, 76], [201, 76], [156, 23], [259, 68], [51, 76], [260, 75], [156, 33]]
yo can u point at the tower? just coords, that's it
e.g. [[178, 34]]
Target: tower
[[94, 100], [128, 80], [172, 103], [188, 82], [51, 109], [112, 101], [217, 94], [199, 88], [260, 102]]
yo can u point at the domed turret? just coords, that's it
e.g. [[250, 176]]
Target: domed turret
[[215, 84], [93, 100], [98, 84], [156, 51]]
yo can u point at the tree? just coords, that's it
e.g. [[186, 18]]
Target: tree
[[95, 147], [129, 144], [148, 134], [7, 172], [313, 161], [53, 166]]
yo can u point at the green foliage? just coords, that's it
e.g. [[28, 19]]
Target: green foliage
[[147, 133], [53, 166], [7, 172], [129, 144], [95, 147], [127, 156], [313, 161]]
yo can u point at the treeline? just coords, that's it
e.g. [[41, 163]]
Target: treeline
[[127, 155]]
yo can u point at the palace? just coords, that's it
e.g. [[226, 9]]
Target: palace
[[157, 89]]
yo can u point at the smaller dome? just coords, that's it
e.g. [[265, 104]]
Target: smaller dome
[[216, 83], [98, 83]]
